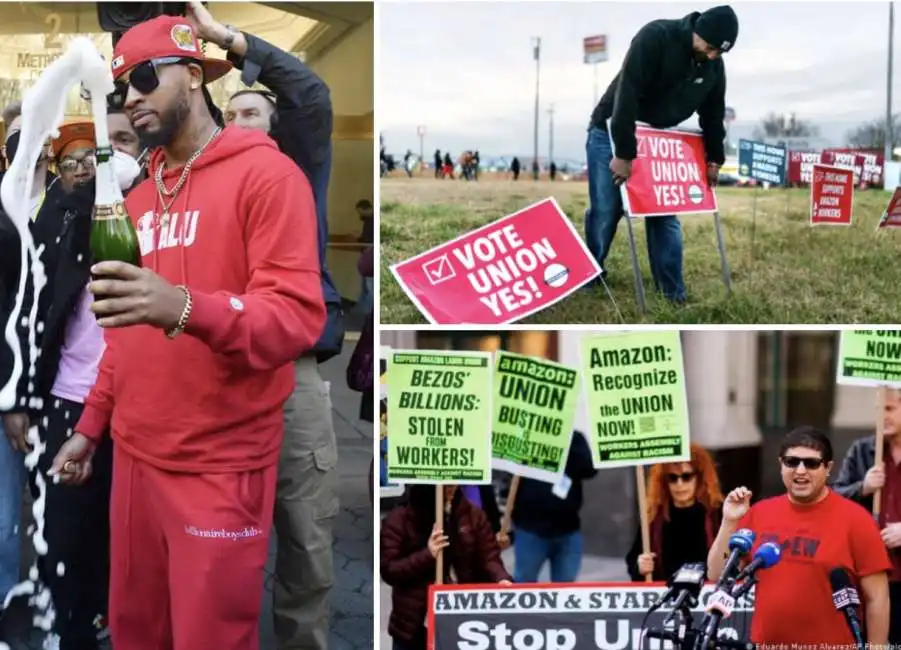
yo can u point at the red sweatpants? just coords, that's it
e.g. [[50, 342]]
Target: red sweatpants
[[188, 553]]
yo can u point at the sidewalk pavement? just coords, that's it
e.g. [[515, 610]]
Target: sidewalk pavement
[[594, 569], [351, 597]]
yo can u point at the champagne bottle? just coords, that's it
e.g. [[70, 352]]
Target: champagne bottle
[[113, 236]]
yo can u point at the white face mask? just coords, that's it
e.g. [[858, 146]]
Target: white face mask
[[126, 169]]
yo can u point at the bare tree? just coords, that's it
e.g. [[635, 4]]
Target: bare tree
[[871, 135], [776, 125]]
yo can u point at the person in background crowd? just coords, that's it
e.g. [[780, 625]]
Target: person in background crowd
[[437, 163], [194, 484], [673, 68], [411, 540], [448, 166], [516, 168], [860, 477], [74, 154], [546, 519], [297, 113], [12, 468], [818, 530], [684, 501]]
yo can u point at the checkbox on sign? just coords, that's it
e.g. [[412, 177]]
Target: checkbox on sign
[[438, 270]]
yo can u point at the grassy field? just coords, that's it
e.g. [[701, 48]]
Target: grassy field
[[794, 275]]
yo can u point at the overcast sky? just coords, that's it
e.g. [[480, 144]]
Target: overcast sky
[[465, 69]]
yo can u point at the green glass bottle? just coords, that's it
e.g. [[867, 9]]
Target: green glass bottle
[[113, 235]]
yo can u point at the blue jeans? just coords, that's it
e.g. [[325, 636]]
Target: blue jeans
[[564, 553], [12, 481], [664, 234]]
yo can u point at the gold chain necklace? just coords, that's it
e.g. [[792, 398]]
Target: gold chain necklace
[[173, 193]]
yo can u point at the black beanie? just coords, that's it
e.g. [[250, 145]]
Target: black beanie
[[719, 27]]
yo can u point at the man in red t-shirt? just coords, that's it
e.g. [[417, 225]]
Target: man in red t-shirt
[[818, 531]]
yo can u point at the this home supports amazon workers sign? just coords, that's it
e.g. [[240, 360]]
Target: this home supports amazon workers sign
[[668, 178], [502, 272]]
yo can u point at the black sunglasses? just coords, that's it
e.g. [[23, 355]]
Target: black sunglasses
[[793, 462], [144, 79], [685, 477]]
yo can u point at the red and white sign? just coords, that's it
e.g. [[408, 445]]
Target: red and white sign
[[669, 175], [502, 272], [831, 196], [594, 48], [846, 160], [891, 218], [873, 161], [800, 166]]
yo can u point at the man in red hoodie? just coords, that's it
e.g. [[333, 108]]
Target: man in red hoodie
[[198, 363]]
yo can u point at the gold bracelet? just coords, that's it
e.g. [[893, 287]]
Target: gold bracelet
[[185, 314]]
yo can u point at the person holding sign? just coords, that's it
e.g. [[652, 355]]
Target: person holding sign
[[673, 69], [818, 531], [411, 541], [547, 522], [860, 478], [684, 502]]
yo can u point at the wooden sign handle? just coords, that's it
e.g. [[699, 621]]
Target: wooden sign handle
[[880, 438], [641, 490], [439, 519]]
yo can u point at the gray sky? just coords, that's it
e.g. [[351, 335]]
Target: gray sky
[[465, 69]]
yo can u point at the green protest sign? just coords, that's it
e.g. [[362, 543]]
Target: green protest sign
[[637, 407], [534, 408], [869, 358], [439, 417]]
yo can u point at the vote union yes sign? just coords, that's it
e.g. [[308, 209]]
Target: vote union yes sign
[[669, 175], [501, 272]]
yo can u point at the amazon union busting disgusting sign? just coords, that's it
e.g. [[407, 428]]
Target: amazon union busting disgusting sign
[[573, 616], [502, 272], [669, 175]]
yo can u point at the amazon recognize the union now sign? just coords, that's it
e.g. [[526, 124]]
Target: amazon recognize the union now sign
[[501, 272]]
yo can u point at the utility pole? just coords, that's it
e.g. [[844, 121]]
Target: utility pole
[[889, 127], [550, 139], [536, 168]]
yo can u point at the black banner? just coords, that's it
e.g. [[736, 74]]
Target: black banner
[[560, 617]]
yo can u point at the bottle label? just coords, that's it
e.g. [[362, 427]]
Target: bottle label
[[103, 154], [108, 212]]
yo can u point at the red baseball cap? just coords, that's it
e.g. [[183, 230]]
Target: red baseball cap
[[164, 36]]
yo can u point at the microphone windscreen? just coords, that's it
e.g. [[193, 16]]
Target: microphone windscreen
[[839, 579], [768, 554]]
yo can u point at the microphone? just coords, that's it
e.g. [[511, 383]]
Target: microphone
[[740, 542], [688, 581], [846, 600], [765, 557]]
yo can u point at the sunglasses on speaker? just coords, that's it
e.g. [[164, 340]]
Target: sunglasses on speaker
[[685, 477], [793, 462], [143, 78]]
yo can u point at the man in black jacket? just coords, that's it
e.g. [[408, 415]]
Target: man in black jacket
[[860, 478], [546, 519], [297, 114], [673, 69]]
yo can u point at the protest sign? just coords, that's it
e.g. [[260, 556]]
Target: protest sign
[[386, 489], [763, 162], [562, 616], [502, 272], [869, 358], [872, 164], [534, 409], [669, 174], [637, 404], [800, 166], [831, 196], [846, 160], [891, 218], [440, 417]]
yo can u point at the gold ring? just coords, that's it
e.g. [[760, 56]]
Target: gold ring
[[66, 466]]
